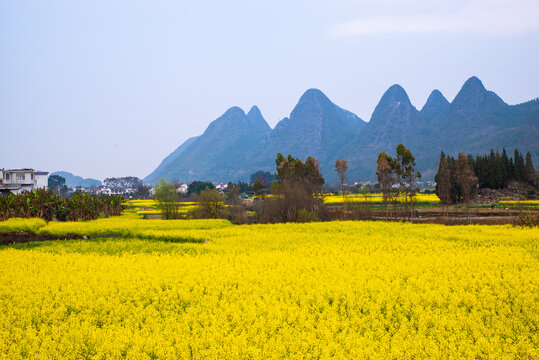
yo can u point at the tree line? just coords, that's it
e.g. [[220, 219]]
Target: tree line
[[495, 170], [457, 180]]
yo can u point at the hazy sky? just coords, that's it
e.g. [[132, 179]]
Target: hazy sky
[[109, 88]]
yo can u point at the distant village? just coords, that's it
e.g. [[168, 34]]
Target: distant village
[[16, 181]]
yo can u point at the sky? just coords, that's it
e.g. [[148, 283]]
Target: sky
[[107, 88]]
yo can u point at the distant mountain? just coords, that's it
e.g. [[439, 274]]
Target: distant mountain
[[236, 144], [316, 127], [436, 105], [216, 154], [476, 121], [474, 109], [163, 168], [76, 181], [394, 121]]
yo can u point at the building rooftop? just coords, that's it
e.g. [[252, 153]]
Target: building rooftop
[[18, 170]]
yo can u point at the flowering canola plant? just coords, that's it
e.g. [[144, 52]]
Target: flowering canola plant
[[318, 290], [22, 224]]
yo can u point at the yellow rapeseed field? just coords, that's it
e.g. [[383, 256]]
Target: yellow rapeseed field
[[519, 202], [347, 290], [377, 198], [149, 207], [18, 224]]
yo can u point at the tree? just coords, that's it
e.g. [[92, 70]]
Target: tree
[[265, 177], [530, 171], [465, 178], [236, 210], [341, 167], [443, 181], [495, 170], [143, 192], [298, 187], [258, 188], [166, 197], [506, 166], [211, 205], [520, 167], [56, 182], [196, 187], [386, 178], [232, 191], [405, 169], [245, 187]]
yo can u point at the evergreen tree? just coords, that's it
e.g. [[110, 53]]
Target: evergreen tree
[[530, 171], [491, 176], [507, 169], [443, 181], [520, 168], [196, 187], [498, 172], [493, 171], [258, 188], [455, 186], [56, 182], [481, 169]]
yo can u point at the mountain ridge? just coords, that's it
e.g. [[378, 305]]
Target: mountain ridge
[[475, 121], [217, 150]]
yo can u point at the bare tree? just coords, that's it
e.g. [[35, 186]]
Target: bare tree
[[386, 179], [211, 205], [341, 167], [296, 192], [465, 177]]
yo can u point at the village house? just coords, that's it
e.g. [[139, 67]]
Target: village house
[[19, 180], [182, 188]]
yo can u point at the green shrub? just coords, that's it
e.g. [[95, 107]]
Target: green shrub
[[306, 216]]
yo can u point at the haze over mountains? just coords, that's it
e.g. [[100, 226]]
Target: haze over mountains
[[238, 144]]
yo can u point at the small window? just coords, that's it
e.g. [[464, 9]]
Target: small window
[[20, 177], [32, 176]]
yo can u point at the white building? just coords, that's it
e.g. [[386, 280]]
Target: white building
[[19, 180], [182, 188], [219, 186]]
